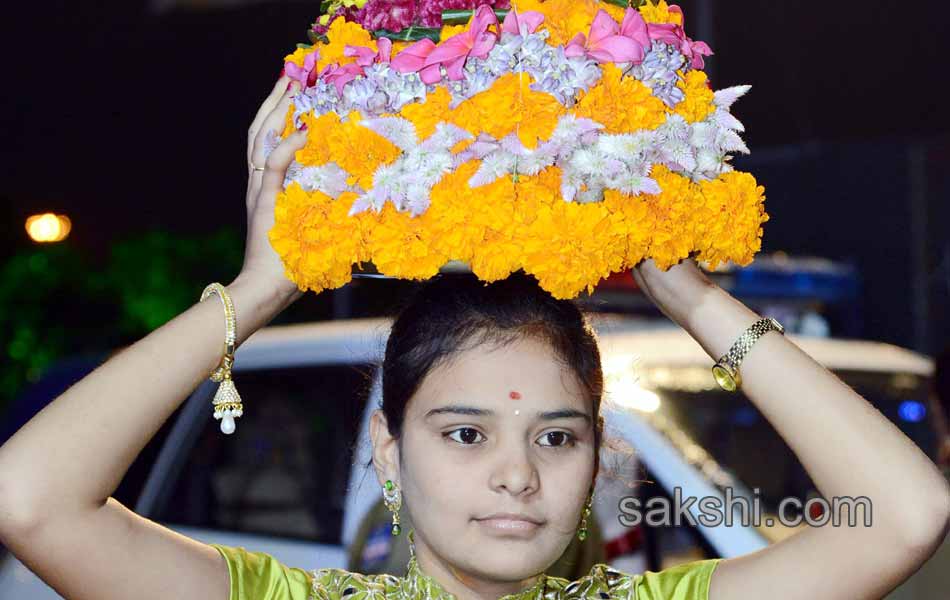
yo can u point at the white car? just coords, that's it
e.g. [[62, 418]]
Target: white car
[[293, 480]]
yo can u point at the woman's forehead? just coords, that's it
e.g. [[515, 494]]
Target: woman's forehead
[[524, 375]]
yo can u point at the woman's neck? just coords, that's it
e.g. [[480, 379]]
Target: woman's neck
[[464, 585]]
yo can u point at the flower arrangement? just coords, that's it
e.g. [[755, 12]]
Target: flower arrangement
[[568, 138]]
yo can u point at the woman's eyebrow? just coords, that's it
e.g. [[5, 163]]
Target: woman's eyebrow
[[456, 409]]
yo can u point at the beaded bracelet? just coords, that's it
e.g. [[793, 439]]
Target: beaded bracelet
[[227, 401]]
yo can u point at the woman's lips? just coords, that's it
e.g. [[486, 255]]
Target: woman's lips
[[509, 525]]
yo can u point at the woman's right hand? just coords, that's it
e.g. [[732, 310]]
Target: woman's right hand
[[262, 265]]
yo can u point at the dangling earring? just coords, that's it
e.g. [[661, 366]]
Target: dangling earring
[[393, 499], [582, 532]]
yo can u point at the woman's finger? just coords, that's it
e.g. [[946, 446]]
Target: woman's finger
[[275, 169], [265, 109], [271, 127]]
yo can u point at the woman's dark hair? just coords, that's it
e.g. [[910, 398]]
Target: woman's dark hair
[[452, 312]]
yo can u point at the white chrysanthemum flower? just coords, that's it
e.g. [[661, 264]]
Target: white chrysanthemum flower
[[495, 165], [401, 132], [725, 98]]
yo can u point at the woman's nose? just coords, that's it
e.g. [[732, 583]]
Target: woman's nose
[[515, 471]]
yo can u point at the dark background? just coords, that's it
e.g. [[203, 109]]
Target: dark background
[[132, 120]]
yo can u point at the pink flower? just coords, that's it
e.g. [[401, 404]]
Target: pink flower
[[476, 41], [392, 15], [609, 42], [674, 35], [340, 76], [366, 56], [529, 20], [305, 74], [413, 60]]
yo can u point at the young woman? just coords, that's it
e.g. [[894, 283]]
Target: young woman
[[489, 432]]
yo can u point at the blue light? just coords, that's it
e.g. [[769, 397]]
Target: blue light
[[912, 411]]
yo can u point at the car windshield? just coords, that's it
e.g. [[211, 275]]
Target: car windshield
[[705, 423]]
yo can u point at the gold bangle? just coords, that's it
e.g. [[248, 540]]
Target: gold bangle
[[227, 402]]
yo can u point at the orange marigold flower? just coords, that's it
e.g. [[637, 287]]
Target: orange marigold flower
[[621, 104], [564, 19], [426, 115], [401, 245], [340, 34], [590, 240], [463, 216], [660, 13], [698, 101], [510, 105], [299, 55], [317, 151], [673, 236], [359, 150], [637, 219], [314, 238], [451, 30], [736, 232]]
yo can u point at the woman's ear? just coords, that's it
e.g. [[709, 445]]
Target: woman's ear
[[385, 448]]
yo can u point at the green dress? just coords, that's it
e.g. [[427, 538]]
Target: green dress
[[259, 576]]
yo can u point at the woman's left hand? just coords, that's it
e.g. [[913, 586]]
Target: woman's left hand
[[676, 291]]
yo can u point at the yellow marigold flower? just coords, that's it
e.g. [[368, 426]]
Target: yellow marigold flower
[[660, 13], [621, 104], [299, 55], [463, 216], [590, 242], [698, 101], [637, 218], [673, 235], [426, 115], [359, 150], [401, 245], [736, 233], [340, 34], [564, 18], [317, 151], [314, 238], [451, 30], [510, 105]]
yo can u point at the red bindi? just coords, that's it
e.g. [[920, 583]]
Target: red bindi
[[514, 395]]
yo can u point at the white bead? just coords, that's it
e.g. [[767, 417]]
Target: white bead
[[239, 412], [227, 425], [217, 415]]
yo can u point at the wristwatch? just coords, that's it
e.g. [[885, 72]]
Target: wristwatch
[[726, 369]]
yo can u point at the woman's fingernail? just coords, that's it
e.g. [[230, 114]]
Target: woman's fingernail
[[303, 127], [282, 71]]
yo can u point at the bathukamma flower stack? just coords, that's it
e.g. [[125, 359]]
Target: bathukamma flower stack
[[568, 138]]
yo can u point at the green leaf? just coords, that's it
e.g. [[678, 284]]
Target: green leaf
[[461, 17], [410, 34], [316, 38]]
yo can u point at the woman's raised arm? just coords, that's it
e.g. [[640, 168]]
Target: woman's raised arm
[[847, 446], [58, 471]]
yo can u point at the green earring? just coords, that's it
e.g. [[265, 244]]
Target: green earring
[[582, 532], [393, 499]]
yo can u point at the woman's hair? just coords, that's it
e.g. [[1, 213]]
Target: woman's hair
[[451, 313]]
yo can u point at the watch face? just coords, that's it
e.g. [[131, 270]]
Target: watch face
[[724, 378]]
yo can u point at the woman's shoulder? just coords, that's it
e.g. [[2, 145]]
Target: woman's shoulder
[[260, 576], [687, 581]]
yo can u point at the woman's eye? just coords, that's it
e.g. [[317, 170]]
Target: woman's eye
[[464, 435], [556, 438]]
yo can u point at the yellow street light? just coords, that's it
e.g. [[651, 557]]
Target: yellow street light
[[48, 227]]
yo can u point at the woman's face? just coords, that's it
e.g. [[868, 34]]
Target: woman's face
[[494, 431]]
